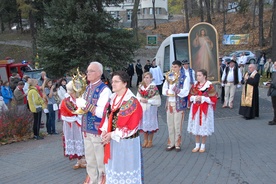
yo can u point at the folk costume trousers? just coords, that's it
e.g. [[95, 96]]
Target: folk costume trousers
[[230, 90], [94, 155], [174, 120]]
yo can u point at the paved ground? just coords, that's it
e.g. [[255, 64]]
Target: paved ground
[[239, 152]]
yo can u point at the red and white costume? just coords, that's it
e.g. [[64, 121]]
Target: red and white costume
[[201, 117], [74, 146]]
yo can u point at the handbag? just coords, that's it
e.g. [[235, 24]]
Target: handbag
[[56, 97], [55, 107]]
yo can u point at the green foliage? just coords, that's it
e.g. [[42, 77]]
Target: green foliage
[[175, 6], [244, 6], [80, 33], [8, 11]]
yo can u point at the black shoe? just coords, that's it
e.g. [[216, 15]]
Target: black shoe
[[271, 123], [55, 133], [169, 148], [39, 137]]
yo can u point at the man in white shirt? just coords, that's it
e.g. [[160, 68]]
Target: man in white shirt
[[241, 62], [157, 75], [176, 89], [231, 79], [189, 72], [93, 103]]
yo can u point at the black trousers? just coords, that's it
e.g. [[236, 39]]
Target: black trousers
[[130, 81], [37, 122], [139, 79], [222, 94], [160, 88], [268, 75], [273, 100]]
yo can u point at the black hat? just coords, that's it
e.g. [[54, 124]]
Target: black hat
[[185, 62], [232, 61]]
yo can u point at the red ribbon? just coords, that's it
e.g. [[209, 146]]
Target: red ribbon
[[203, 108], [107, 146]]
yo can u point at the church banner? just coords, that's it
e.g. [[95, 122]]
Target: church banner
[[235, 39]]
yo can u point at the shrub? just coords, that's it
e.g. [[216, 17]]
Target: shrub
[[15, 126]]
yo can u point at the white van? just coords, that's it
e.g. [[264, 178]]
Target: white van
[[174, 47]]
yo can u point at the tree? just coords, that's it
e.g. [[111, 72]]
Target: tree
[[208, 11], [27, 8], [261, 25], [8, 12], [175, 6], [186, 16], [80, 32], [134, 20], [224, 16], [201, 10], [218, 5], [254, 12], [154, 18], [273, 54]]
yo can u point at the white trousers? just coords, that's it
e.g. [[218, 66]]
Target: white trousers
[[230, 90], [94, 155], [174, 120]]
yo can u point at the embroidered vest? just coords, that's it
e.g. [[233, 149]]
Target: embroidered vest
[[90, 122], [191, 76], [235, 70], [181, 103]]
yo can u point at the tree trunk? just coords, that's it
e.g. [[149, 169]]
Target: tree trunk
[[274, 32], [201, 10], [2, 24], [187, 29], [261, 26], [33, 32], [134, 20], [154, 18], [212, 7], [208, 11], [254, 14], [224, 16], [271, 25], [218, 6]]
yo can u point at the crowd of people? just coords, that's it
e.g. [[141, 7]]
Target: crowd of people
[[105, 138], [25, 93]]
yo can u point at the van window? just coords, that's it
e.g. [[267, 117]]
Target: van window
[[166, 59], [181, 50]]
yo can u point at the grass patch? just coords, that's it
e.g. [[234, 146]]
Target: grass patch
[[14, 35], [16, 52]]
